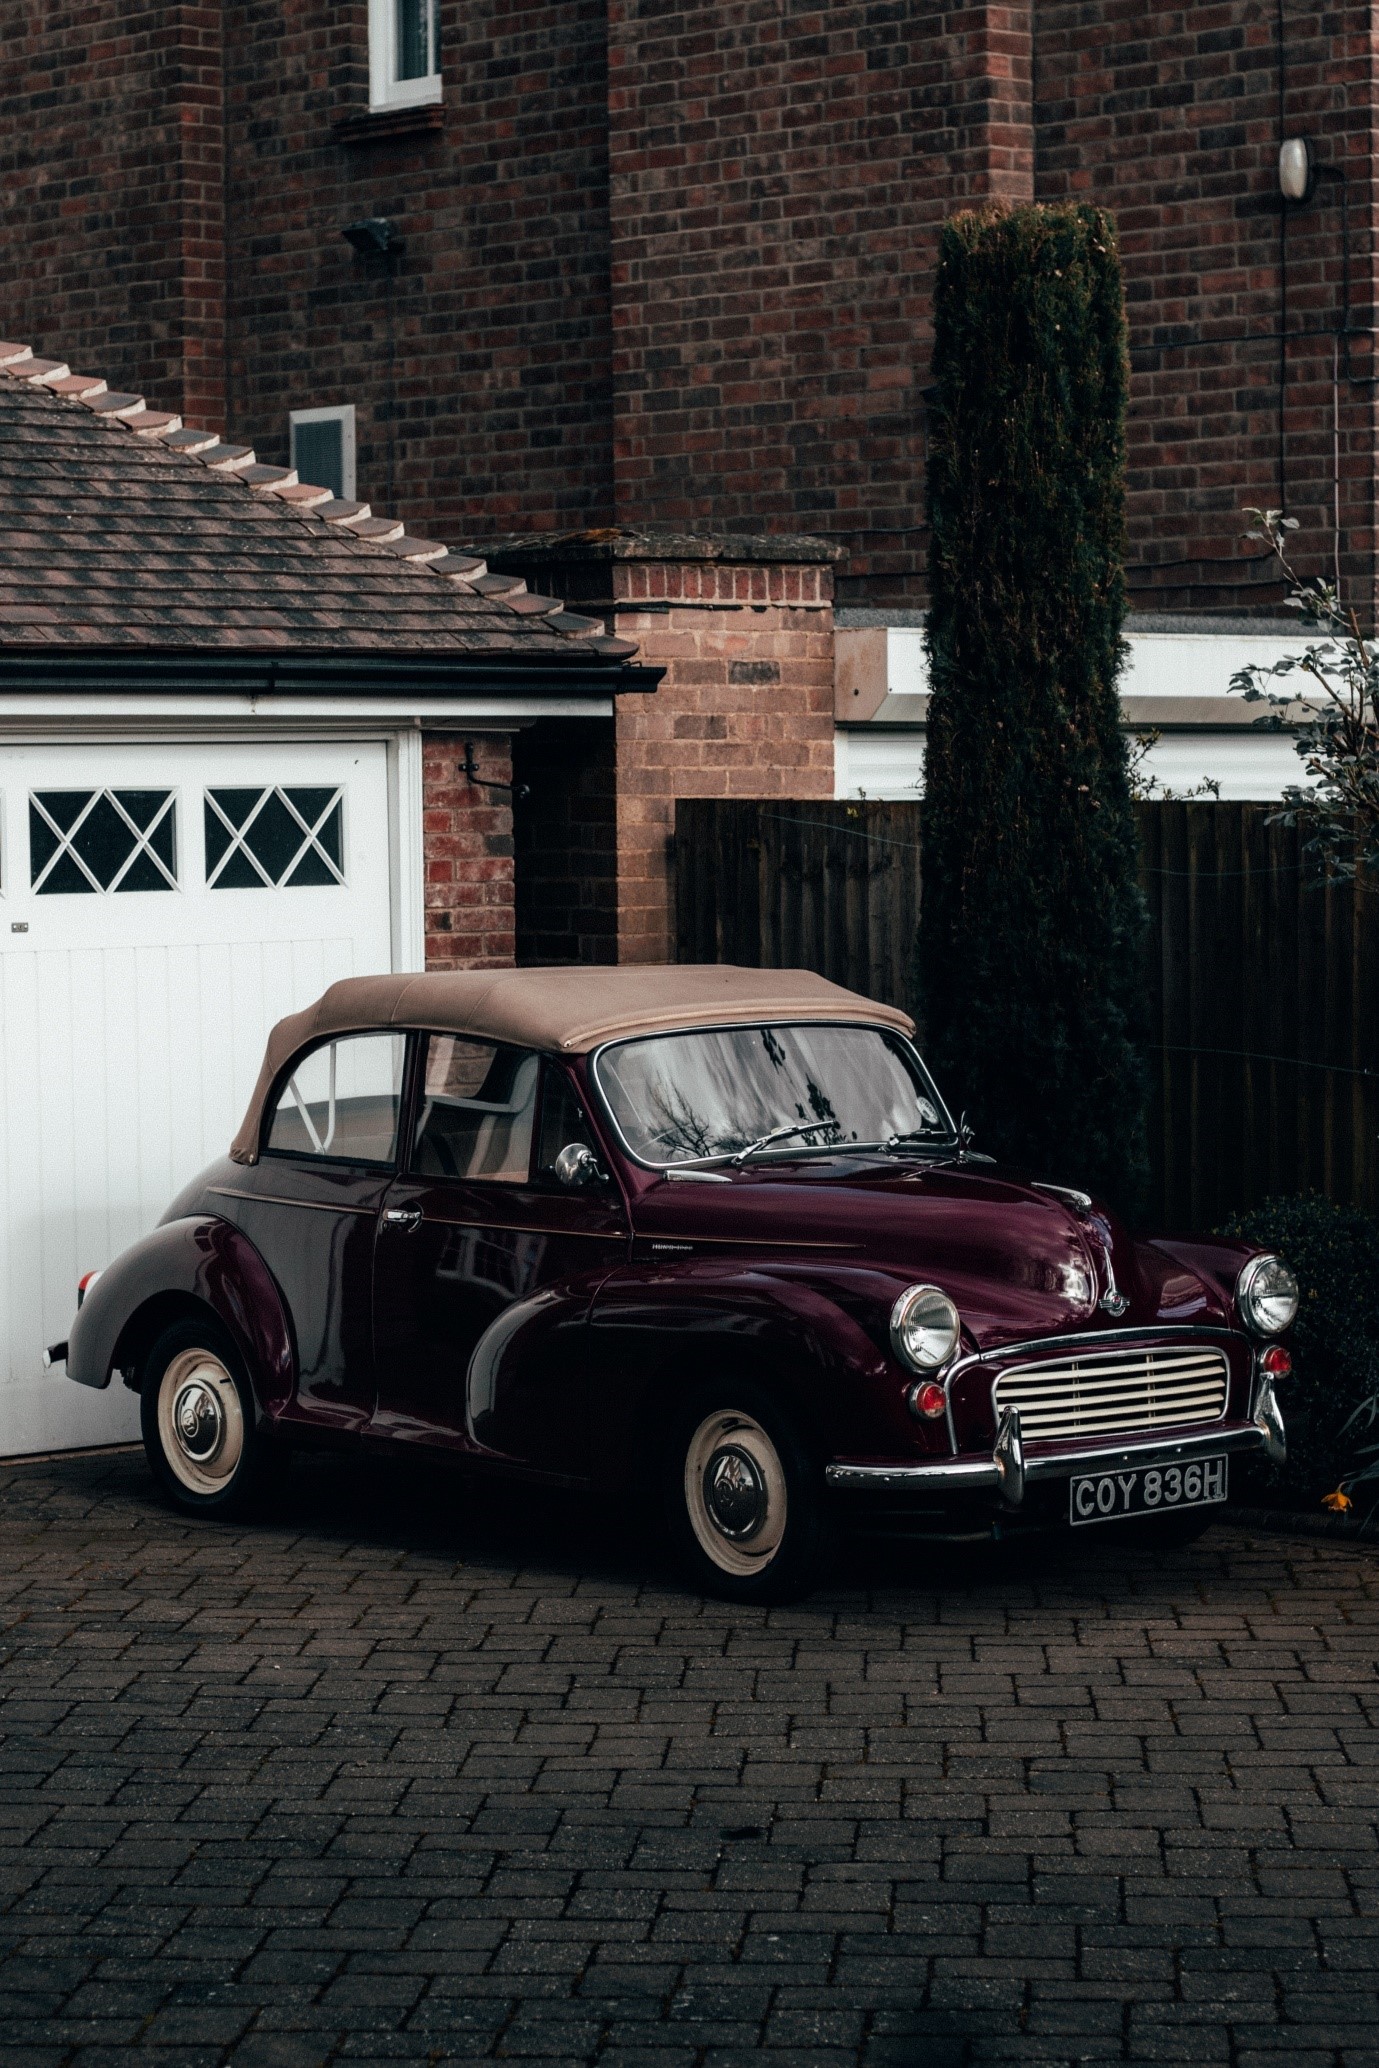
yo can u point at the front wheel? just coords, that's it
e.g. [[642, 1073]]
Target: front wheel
[[744, 1500], [198, 1421]]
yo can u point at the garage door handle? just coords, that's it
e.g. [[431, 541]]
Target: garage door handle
[[405, 1218]]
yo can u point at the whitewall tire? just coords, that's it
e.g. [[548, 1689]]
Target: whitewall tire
[[199, 1423], [744, 1498]]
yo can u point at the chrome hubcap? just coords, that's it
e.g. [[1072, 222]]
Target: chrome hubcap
[[734, 1494], [199, 1420]]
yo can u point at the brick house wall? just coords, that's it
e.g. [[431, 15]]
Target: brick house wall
[[670, 264], [744, 631], [470, 920], [779, 177], [479, 366], [745, 710], [112, 195], [565, 841], [1171, 118]]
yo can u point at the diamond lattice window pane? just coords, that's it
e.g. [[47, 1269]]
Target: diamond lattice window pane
[[85, 841], [276, 837]]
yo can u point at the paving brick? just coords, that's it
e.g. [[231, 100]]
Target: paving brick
[[531, 1802]]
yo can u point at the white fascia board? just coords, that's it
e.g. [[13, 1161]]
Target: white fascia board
[[189, 716], [1170, 679]]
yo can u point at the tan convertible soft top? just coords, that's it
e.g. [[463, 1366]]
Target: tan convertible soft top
[[565, 1011]]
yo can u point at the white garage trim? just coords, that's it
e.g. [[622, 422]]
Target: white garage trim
[[48, 716], [47, 719]]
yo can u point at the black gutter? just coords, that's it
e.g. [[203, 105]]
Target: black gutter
[[129, 670]]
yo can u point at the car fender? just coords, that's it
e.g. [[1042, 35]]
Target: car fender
[[659, 1329], [200, 1261]]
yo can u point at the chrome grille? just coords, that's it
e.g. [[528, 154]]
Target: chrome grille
[[1108, 1390]]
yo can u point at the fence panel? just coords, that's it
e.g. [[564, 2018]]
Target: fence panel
[[1262, 982]]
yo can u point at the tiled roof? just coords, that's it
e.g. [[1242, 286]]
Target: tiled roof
[[122, 528]]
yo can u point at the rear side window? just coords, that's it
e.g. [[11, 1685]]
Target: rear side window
[[478, 1110], [343, 1101]]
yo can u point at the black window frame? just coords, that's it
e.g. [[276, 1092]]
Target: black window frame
[[407, 1163], [309, 1159]]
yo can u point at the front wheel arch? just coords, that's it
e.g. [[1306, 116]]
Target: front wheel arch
[[757, 1364]]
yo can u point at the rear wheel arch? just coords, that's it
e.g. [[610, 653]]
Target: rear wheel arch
[[149, 1320], [202, 1266]]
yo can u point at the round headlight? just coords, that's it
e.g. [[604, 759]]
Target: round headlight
[[1267, 1295], [924, 1328]]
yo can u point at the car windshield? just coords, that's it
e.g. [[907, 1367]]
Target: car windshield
[[681, 1098]]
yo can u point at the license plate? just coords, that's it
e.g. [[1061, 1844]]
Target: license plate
[[1150, 1490]]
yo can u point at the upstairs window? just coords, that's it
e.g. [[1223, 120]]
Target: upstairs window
[[404, 53], [323, 447]]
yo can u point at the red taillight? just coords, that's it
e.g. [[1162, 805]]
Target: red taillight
[[85, 1283], [1277, 1361], [929, 1399]]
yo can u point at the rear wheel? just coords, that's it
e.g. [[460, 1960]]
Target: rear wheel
[[744, 1499], [198, 1420]]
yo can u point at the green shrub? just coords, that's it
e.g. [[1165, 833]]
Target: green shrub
[[1030, 938], [1331, 1402]]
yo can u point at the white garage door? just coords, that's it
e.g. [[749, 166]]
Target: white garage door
[[160, 907]]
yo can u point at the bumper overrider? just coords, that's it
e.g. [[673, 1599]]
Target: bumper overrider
[[1012, 1465]]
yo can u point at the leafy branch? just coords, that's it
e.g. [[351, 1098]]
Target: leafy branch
[[1335, 720]]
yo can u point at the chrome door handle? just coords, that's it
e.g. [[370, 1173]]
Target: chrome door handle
[[405, 1218]]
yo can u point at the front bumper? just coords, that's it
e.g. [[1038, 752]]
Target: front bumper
[[1011, 1466]]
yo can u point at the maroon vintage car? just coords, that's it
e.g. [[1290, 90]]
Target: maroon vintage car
[[703, 1230]]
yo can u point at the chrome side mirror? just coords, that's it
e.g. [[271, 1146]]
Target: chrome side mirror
[[577, 1165]]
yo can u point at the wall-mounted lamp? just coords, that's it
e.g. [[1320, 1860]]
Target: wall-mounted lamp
[[1297, 170], [377, 236]]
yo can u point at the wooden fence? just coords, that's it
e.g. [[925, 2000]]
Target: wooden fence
[[1263, 983]]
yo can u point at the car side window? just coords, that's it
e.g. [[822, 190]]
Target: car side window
[[477, 1113], [562, 1122], [342, 1101]]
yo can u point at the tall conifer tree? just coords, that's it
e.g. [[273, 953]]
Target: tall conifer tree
[[1032, 920]]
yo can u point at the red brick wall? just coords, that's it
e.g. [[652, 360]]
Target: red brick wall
[[1170, 117], [565, 841], [779, 174], [496, 408], [745, 710], [467, 855], [111, 196], [670, 261]]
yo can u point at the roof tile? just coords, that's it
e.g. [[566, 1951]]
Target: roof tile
[[111, 539]]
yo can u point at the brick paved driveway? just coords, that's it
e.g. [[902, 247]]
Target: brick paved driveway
[[374, 1782]]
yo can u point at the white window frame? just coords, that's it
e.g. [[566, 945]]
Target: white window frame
[[341, 413], [386, 90]]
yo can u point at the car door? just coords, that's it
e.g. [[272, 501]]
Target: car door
[[486, 1265], [310, 1206]]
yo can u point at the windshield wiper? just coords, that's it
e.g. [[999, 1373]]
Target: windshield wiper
[[778, 1134], [918, 1134]]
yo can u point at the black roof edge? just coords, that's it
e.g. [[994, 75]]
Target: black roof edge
[[262, 674]]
